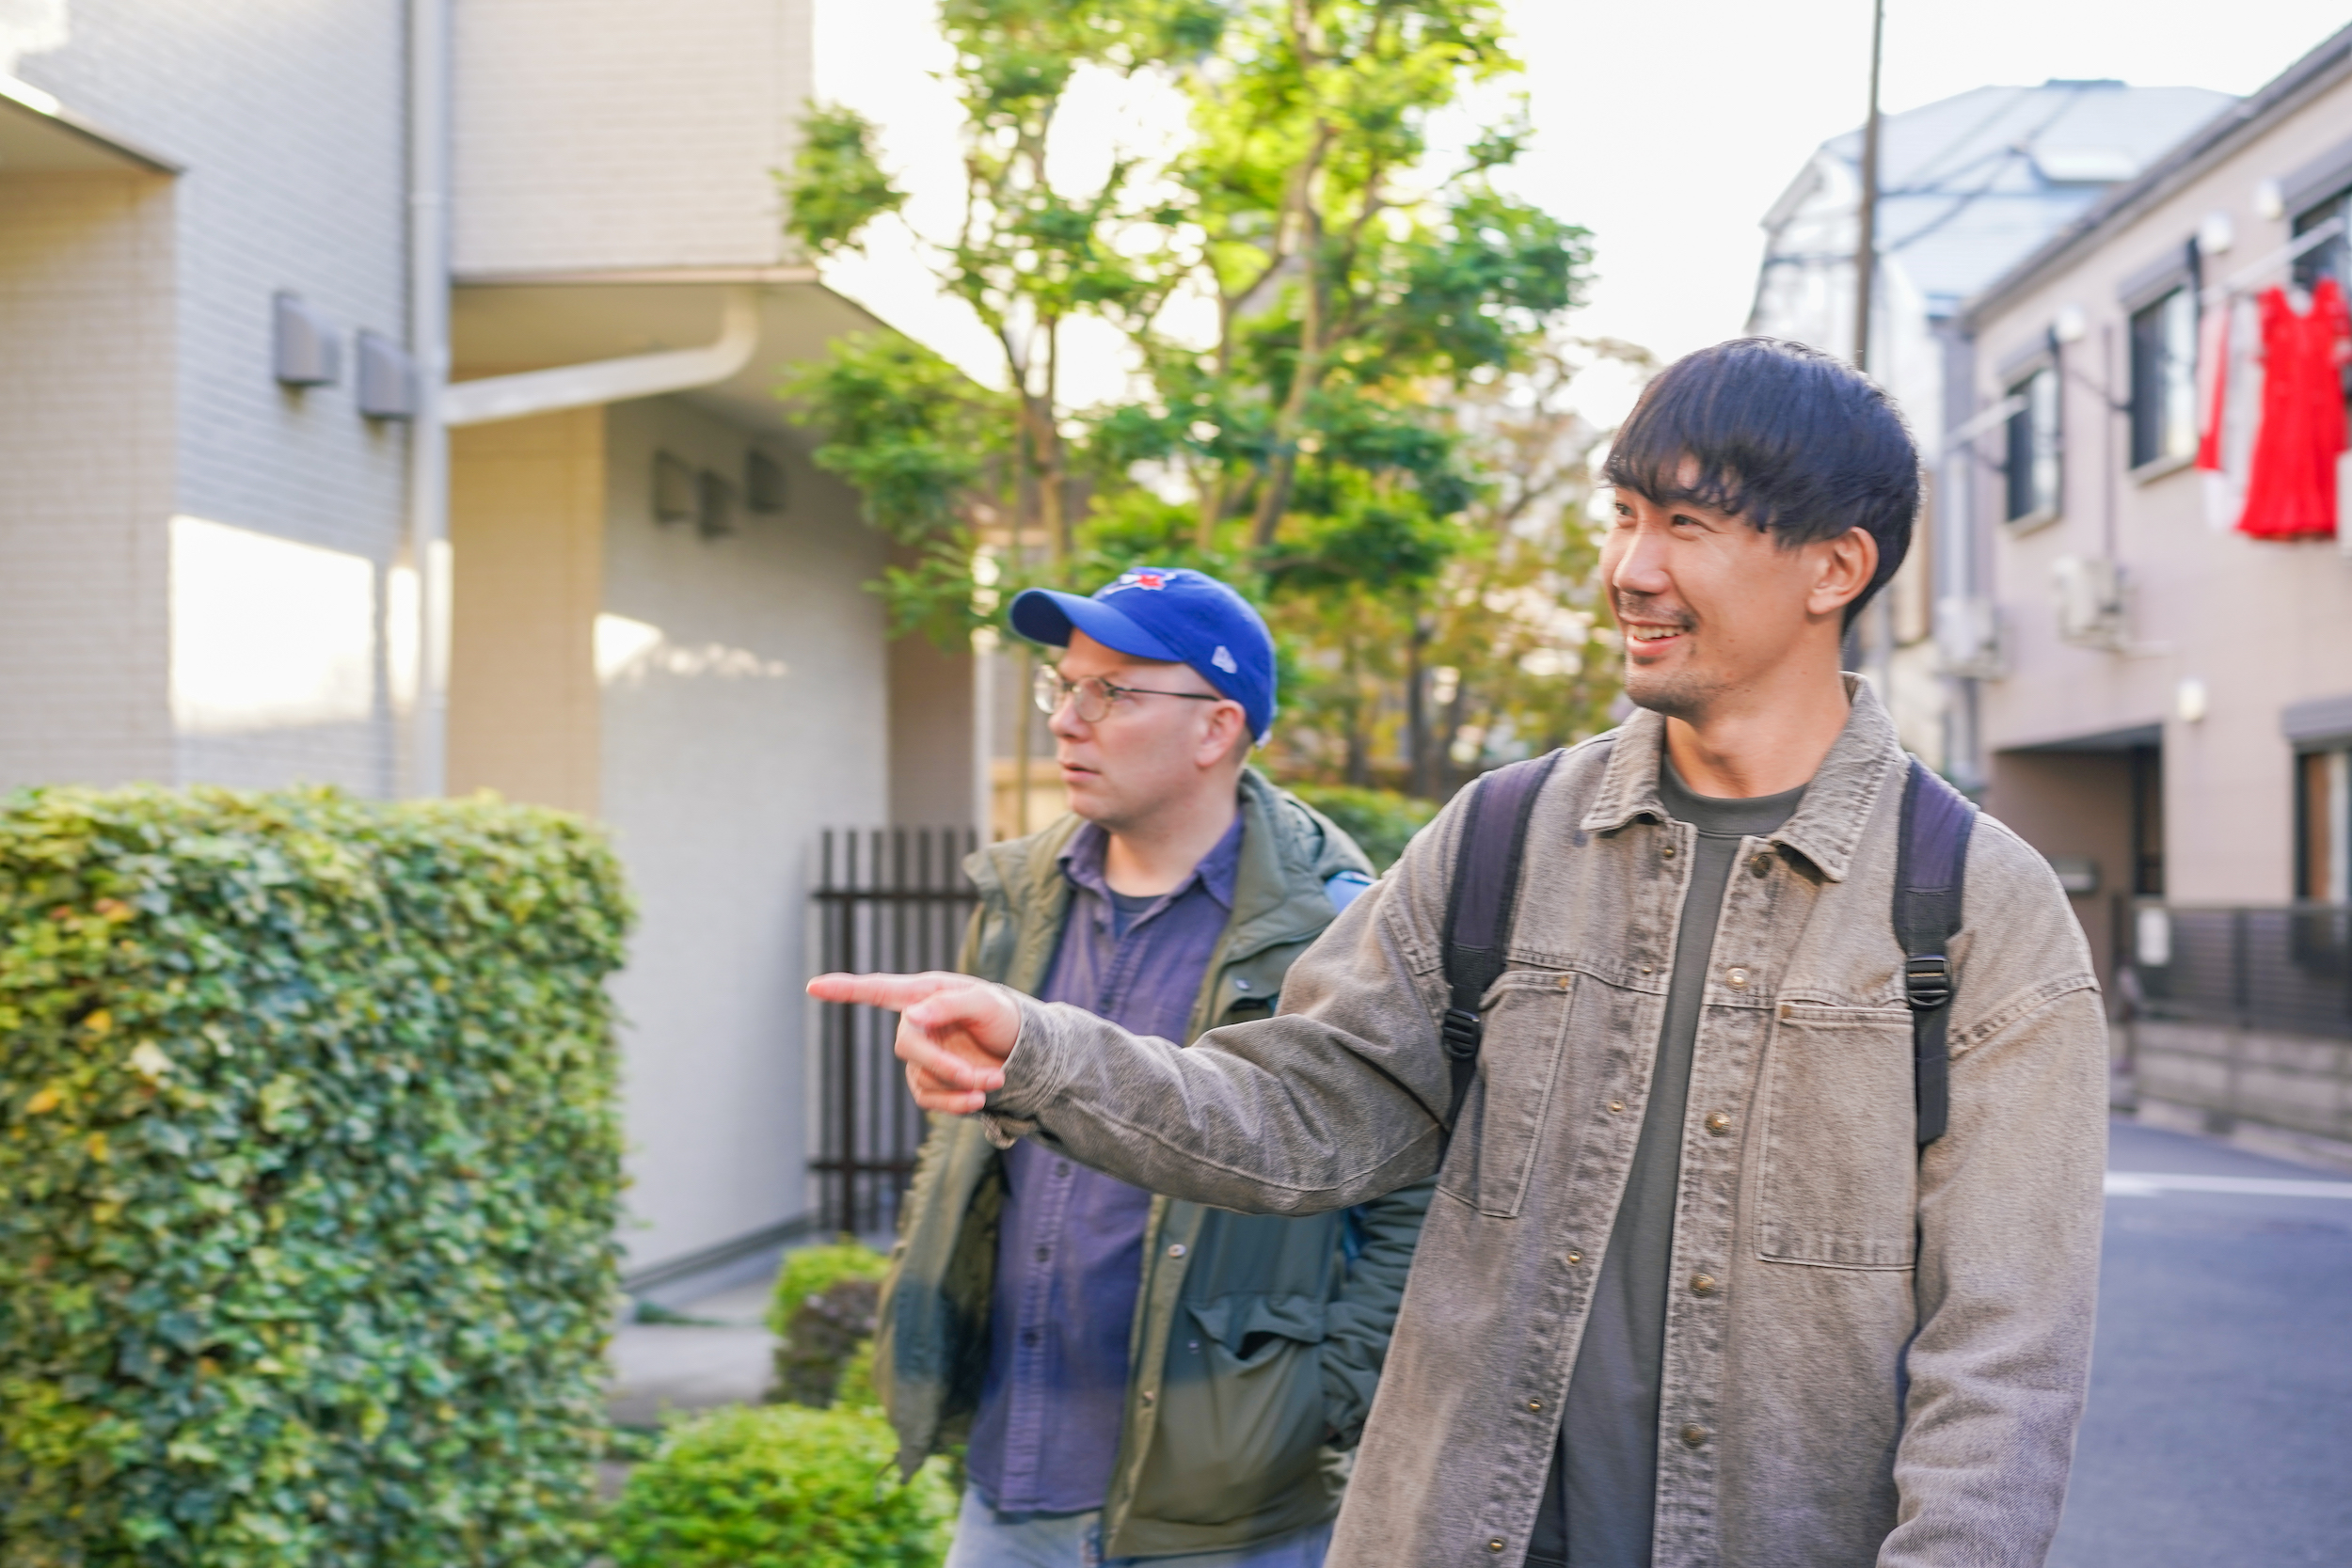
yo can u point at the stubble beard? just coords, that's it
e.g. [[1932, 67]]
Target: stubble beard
[[1683, 694]]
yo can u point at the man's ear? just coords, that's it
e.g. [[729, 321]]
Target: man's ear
[[1848, 563], [1224, 735]]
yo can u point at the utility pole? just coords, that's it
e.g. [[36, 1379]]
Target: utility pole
[[1866, 224]]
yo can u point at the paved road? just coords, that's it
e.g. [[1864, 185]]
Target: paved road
[[2219, 1432]]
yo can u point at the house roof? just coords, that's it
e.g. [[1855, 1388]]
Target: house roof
[[1969, 183], [2220, 135]]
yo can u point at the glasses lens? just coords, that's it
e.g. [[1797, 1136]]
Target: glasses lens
[[1047, 689]]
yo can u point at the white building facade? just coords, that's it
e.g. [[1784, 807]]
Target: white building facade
[[247, 536]]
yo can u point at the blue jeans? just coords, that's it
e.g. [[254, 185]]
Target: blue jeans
[[1075, 1541]]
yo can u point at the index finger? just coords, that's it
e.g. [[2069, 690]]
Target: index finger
[[891, 992]]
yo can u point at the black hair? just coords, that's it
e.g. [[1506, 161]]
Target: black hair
[[1799, 444]]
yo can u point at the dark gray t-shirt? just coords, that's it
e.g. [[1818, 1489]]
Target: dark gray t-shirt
[[1600, 1502]]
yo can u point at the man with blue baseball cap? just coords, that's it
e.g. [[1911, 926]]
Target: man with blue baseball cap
[[1139, 1378]]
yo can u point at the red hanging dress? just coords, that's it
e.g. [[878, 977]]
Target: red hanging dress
[[2291, 492]]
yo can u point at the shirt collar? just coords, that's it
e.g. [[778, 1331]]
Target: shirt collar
[[1827, 827], [1082, 863]]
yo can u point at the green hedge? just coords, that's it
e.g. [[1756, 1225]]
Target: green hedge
[[1381, 821], [311, 1164], [780, 1486], [825, 1308]]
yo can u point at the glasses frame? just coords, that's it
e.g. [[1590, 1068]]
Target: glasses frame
[[1050, 691]]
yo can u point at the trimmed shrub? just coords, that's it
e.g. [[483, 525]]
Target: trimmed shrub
[[308, 1133], [1381, 821], [779, 1486], [827, 1304]]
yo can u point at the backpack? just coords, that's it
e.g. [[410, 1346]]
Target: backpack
[[1931, 866]]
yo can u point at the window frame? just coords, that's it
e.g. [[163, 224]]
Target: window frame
[[2034, 445], [2162, 335]]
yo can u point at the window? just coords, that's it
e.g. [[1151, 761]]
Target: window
[[2323, 816], [2033, 448], [2329, 257], [2164, 379]]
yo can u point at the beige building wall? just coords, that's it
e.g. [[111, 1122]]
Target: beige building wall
[[746, 708], [527, 500], [85, 477], [2259, 624], [612, 134]]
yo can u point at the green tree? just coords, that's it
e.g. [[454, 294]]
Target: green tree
[[1316, 293]]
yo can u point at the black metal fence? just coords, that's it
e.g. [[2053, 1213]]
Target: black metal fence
[[887, 899], [2286, 969]]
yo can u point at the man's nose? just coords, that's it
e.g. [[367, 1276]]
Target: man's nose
[[1641, 564], [1063, 724]]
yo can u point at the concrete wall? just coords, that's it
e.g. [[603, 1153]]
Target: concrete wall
[[85, 477], [2261, 624], [597, 135], [756, 714], [527, 504], [288, 121]]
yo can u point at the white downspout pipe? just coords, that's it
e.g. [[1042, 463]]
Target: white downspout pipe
[[602, 381], [422, 749]]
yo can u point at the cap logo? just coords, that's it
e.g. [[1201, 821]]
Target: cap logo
[[1224, 660], [1147, 580]]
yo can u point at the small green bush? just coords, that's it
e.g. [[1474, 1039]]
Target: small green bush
[[1381, 821], [779, 1486], [311, 1164], [825, 1307]]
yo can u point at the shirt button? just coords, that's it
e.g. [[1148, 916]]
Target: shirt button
[[1176, 1250], [1061, 1167], [1702, 1284], [1762, 865], [1735, 978], [1717, 1122], [1029, 1336], [1043, 1253], [1576, 1258], [1695, 1435]]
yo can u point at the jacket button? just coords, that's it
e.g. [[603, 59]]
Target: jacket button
[[1762, 865], [1702, 1284], [1494, 1545], [1576, 1258], [1241, 984], [1617, 1104], [1176, 1249], [1735, 978], [1534, 1405], [1717, 1122], [1694, 1435], [1564, 981], [1148, 1399], [1668, 852]]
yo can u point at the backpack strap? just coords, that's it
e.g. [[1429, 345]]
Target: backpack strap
[[1478, 909], [1930, 872]]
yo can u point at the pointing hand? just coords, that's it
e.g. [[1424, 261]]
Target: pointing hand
[[954, 1032]]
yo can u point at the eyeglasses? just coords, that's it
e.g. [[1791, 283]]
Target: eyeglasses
[[1092, 697]]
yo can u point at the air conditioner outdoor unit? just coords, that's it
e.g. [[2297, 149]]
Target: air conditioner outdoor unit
[[1968, 638], [2089, 601]]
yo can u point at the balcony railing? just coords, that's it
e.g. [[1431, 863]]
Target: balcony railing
[[2283, 970]]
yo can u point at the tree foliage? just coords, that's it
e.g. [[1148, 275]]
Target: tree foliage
[[1315, 287]]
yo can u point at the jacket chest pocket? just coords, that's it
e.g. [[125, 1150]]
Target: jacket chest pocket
[[1493, 1150], [1840, 1175]]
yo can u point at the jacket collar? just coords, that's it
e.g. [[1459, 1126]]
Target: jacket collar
[[1828, 826]]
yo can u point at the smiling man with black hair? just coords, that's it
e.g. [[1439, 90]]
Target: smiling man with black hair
[[1768, 1117]]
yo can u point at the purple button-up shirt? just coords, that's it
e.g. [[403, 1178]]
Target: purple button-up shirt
[[1070, 1241]]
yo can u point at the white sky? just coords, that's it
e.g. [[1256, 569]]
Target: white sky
[[1668, 129]]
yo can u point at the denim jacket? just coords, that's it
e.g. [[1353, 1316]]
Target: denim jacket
[[1874, 1354]]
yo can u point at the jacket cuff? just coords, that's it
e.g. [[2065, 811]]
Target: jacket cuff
[[1030, 1078]]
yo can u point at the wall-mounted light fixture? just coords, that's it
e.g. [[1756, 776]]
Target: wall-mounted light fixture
[[388, 379], [673, 497], [763, 483], [303, 349]]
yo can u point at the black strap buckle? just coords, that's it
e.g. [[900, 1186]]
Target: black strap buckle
[[1927, 981], [1460, 1032]]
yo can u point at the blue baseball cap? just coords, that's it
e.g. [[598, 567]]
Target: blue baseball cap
[[1175, 614]]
